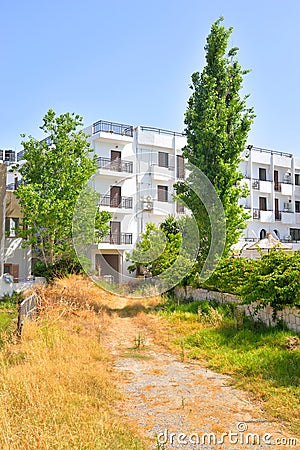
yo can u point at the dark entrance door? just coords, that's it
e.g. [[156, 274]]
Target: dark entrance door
[[108, 264], [115, 197], [115, 233]]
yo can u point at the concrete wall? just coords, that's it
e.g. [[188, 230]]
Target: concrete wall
[[290, 316]]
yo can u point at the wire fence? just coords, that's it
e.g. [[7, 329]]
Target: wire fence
[[28, 309]]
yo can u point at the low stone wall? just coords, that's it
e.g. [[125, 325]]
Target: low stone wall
[[290, 316]]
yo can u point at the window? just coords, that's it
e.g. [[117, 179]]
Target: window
[[276, 232], [297, 206], [262, 174], [163, 159], [297, 179], [262, 234], [263, 203], [11, 226], [162, 193], [180, 167], [295, 234]]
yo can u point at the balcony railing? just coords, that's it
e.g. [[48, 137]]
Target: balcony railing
[[277, 187], [256, 212], [20, 155], [116, 202], [117, 165], [162, 131], [265, 150], [118, 239], [112, 127]]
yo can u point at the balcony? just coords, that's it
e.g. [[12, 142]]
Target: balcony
[[263, 215], [117, 165], [287, 216], [113, 128], [162, 173], [118, 239], [116, 202]]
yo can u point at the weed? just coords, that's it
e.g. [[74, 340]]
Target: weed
[[139, 341]]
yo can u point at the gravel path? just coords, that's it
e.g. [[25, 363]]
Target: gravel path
[[165, 395]]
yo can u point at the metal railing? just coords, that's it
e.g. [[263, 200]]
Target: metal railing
[[117, 165], [20, 155], [256, 212], [162, 131], [28, 309], [118, 239], [112, 127], [116, 202], [265, 150]]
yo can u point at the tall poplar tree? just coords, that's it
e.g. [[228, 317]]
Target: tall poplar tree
[[217, 125]]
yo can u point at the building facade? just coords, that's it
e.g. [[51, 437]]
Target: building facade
[[273, 180], [137, 169]]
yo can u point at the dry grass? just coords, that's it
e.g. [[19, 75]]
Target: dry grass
[[56, 383]]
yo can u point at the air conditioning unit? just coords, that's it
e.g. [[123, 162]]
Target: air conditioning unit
[[256, 214], [287, 206], [255, 184], [148, 206]]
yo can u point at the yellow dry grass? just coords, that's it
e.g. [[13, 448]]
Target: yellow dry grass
[[56, 388]]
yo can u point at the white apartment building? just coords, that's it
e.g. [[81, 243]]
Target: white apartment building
[[137, 168], [273, 179]]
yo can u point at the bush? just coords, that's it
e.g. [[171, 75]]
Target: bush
[[229, 275]]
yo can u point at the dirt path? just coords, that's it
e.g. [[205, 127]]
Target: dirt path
[[164, 394]]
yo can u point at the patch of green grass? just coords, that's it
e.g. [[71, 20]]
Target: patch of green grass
[[8, 312], [260, 359]]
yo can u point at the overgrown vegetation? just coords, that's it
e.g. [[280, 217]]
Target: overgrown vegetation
[[56, 388], [8, 314], [265, 361], [272, 279]]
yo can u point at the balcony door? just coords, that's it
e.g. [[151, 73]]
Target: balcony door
[[115, 157], [276, 180], [115, 232], [115, 197], [263, 203], [277, 213], [180, 167]]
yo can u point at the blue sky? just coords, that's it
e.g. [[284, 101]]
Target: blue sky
[[131, 62]]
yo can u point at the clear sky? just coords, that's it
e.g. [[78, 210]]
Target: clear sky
[[131, 61]]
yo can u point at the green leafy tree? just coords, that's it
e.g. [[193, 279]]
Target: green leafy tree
[[217, 125], [167, 251], [273, 279], [156, 251], [54, 174]]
